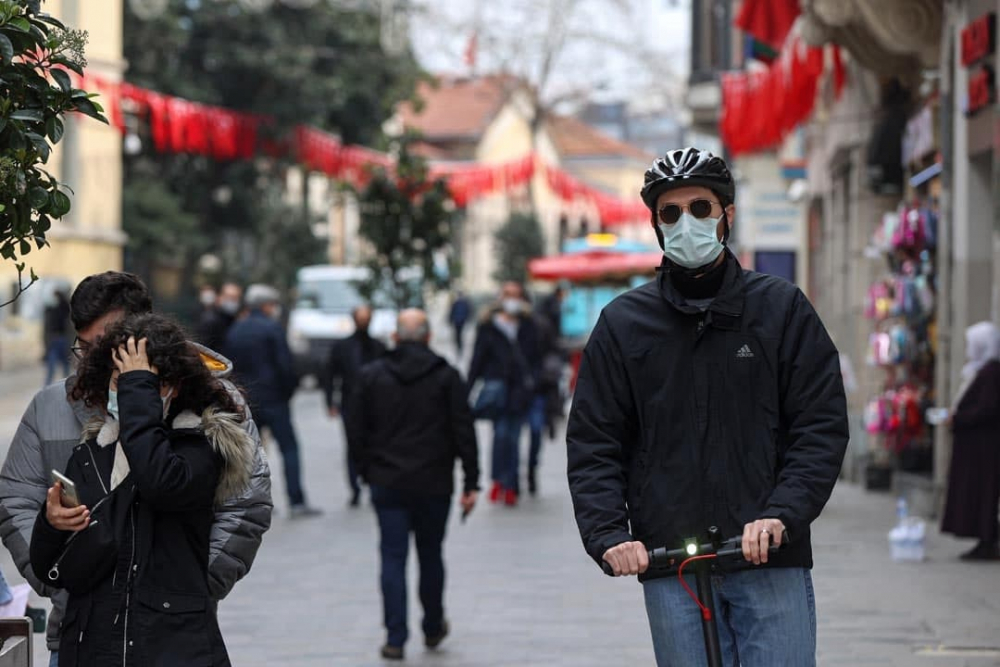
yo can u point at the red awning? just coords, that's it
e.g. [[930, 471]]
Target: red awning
[[594, 265]]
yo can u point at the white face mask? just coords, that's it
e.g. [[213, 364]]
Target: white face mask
[[113, 403], [511, 306], [229, 307], [691, 242], [207, 298]]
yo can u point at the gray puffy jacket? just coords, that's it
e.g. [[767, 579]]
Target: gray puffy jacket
[[50, 428]]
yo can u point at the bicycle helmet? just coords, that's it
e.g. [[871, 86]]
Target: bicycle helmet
[[685, 167]]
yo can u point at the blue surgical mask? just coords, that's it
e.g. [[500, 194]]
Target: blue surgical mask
[[113, 403], [691, 242]]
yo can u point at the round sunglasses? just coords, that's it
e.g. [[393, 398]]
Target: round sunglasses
[[699, 208]]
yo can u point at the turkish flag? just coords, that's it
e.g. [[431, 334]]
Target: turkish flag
[[768, 21]]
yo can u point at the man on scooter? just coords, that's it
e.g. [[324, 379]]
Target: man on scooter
[[711, 396]]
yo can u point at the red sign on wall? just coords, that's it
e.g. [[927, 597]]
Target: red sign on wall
[[981, 89], [979, 39]]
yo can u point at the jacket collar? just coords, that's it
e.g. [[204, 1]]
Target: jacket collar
[[728, 302]]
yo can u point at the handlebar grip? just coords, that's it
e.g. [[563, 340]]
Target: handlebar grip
[[608, 570]]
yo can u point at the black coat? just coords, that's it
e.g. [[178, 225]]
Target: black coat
[[684, 419], [346, 359], [262, 362], [411, 422], [214, 327], [974, 475], [158, 590], [495, 357]]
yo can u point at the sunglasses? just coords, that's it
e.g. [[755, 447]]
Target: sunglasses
[[699, 208]]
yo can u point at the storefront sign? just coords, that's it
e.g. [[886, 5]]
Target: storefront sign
[[982, 89], [979, 39]]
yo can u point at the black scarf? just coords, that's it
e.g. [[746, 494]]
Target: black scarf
[[706, 285]]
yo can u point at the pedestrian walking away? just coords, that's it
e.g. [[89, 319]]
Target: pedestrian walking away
[[52, 427], [458, 316], [709, 397], [347, 358], [131, 544], [506, 359], [546, 403], [57, 333], [263, 367], [974, 476], [411, 421]]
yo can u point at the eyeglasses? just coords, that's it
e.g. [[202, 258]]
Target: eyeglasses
[[80, 348], [699, 208]]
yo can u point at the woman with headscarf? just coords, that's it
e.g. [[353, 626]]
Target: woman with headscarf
[[974, 479]]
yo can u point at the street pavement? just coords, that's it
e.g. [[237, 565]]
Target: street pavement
[[521, 591]]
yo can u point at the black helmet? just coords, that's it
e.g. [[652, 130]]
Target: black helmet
[[685, 167]]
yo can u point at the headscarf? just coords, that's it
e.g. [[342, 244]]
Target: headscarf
[[982, 345]]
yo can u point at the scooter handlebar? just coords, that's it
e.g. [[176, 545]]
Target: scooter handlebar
[[662, 558]]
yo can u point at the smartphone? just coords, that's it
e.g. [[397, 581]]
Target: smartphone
[[69, 496]]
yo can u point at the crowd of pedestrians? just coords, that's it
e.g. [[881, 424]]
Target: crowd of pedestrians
[[135, 493]]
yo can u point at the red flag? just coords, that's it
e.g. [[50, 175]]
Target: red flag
[[768, 21], [470, 50]]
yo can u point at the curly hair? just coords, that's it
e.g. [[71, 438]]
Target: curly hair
[[169, 349]]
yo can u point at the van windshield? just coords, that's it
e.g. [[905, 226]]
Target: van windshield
[[336, 296]]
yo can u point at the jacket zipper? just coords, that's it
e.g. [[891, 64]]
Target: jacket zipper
[[53, 573], [96, 471], [128, 586]]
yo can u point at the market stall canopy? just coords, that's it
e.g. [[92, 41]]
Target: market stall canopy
[[594, 265]]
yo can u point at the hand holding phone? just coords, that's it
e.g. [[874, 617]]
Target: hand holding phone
[[59, 513], [68, 493]]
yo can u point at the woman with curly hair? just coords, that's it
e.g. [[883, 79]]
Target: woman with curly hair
[[133, 554]]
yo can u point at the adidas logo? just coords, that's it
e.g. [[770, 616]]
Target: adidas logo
[[744, 353]]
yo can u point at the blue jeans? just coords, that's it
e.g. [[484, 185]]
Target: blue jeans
[[278, 418], [54, 659], [399, 513], [506, 454], [56, 354], [766, 617], [536, 424]]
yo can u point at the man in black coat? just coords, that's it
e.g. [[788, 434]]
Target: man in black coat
[[409, 423], [347, 358], [262, 364], [216, 320], [711, 396]]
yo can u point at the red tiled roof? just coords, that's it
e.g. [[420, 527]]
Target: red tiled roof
[[452, 108], [574, 138]]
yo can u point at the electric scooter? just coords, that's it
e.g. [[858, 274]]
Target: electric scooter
[[716, 555]]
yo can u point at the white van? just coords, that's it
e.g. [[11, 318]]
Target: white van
[[326, 295]]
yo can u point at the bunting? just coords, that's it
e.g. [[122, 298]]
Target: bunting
[[177, 125]]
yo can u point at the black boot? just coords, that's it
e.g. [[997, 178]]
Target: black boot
[[532, 483], [983, 551]]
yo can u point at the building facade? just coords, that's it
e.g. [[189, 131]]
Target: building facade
[[88, 160]]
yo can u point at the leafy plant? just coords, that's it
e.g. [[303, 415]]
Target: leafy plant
[[406, 219], [516, 243], [37, 54]]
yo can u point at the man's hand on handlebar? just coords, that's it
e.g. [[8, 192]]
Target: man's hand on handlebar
[[758, 536], [627, 559]]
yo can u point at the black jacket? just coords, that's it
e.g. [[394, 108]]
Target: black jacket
[[411, 422], [262, 362], [495, 357], [346, 359], [684, 419], [213, 328], [158, 589]]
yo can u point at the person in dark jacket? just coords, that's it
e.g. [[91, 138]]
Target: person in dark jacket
[[974, 476], [711, 396], [167, 446], [217, 319], [506, 359], [263, 366], [410, 422], [53, 422], [56, 330], [347, 358], [458, 316]]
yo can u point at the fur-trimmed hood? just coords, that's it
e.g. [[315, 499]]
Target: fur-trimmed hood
[[224, 431]]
